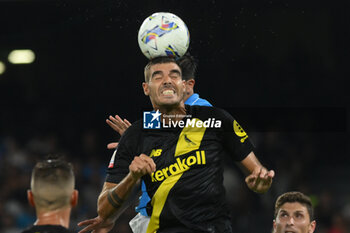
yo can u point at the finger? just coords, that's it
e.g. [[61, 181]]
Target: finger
[[143, 167], [143, 164], [142, 155], [152, 165], [135, 171], [271, 174], [112, 125], [114, 121], [86, 222], [118, 119], [256, 171], [253, 177], [136, 165], [127, 122], [88, 228], [263, 173], [250, 179], [149, 168], [150, 162], [112, 145], [122, 124], [257, 181], [268, 180]]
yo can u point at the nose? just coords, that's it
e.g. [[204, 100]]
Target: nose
[[290, 221], [166, 80]]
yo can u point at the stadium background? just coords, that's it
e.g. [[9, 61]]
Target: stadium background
[[278, 66]]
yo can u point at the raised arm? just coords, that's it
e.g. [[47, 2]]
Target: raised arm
[[259, 179], [110, 201]]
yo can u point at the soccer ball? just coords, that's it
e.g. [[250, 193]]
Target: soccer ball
[[163, 34]]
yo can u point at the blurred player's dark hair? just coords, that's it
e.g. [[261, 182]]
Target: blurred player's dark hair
[[188, 65], [292, 197]]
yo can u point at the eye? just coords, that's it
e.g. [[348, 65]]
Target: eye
[[284, 215], [157, 77], [174, 75]]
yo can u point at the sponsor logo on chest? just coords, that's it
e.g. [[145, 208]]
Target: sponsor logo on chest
[[180, 166]]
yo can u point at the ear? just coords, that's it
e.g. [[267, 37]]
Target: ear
[[312, 226], [30, 197], [274, 225], [190, 82], [184, 83], [145, 88], [74, 198]]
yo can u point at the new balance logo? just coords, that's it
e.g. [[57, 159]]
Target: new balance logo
[[155, 153]]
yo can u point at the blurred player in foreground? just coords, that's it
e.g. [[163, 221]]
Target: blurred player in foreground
[[53, 195], [188, 67], [180, 163], [293, 214]]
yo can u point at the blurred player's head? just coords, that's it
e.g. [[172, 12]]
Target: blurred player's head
[[188, 66], [52, 185], [163, 82], [293, 213]]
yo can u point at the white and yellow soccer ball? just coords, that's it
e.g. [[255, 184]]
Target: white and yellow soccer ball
[[163, 34]]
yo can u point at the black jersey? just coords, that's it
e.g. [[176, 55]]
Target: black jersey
[[186, 190], [47, 229]]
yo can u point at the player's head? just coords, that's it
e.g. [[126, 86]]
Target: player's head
[[52, 185], [188, 66], [293, 213], [163, 82]]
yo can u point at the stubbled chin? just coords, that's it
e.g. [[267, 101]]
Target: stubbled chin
[[168, 97], [170, 101]]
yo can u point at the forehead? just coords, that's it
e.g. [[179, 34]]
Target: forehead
[[164, 67], [292, 207]]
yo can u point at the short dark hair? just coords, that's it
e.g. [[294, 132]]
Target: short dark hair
[[157, 60], [292, 197], [52, 182], [188, 65]]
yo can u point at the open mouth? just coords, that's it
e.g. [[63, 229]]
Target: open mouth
[[168, 92]]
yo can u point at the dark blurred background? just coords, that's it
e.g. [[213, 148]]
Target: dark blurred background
[[277, 66]]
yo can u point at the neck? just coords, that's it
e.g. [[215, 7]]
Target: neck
[[55, 217], [188, 94], [173, 113]]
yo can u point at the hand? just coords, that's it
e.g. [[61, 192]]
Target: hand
[[142, 165], [112, 145], [96, 225], [260, 180], [118, 124]]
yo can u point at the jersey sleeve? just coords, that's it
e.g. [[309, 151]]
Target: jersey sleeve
[[235, 140], [122, 157]]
